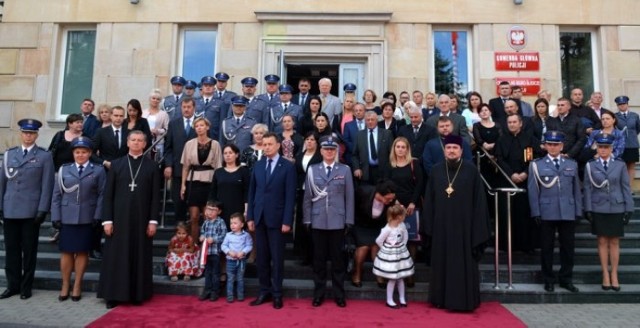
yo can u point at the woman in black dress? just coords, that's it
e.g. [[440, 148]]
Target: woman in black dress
[[308, 121], [310, 155], [135, 121], [60, 147], [486, 133], [389, 122], [542, 121], [406, 173]]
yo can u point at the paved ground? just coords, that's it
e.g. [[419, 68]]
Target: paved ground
[[44, 310]]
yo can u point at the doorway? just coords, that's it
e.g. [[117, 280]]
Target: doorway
[[314, 73]]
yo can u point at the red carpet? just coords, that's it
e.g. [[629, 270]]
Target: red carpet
[[187, 311]]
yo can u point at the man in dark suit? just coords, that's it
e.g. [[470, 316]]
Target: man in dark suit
[[589, 118], [417, 133], [434, 149], [272, 194], [179, 132], [110, 142], [302, 98], [511, 108], [351, 131], [371, 151], [571, 125], [497, 104], [459, 124], [91, 124]]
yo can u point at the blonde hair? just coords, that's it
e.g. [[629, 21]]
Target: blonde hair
[[396, 211], [104, 106], [392, 157], [201, 119]]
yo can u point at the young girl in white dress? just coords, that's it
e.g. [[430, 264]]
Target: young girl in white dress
[[393, 261]]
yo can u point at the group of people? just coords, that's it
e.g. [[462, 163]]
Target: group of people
[[384, 177]]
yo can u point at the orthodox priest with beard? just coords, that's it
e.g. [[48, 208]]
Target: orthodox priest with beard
[[131, 208], [455, 219]]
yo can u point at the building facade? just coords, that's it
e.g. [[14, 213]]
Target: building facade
[[54, 53]]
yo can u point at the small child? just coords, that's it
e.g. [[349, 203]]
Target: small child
[[181, 256], [393, 260], [213, 231], [236, 245]]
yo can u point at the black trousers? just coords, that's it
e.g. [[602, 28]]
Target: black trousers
[[179, 205], [566, 237], [327, 246], [270, 259], [21, 242], [302, 242]]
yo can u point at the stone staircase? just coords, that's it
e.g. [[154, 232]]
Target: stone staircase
[[527, 280]]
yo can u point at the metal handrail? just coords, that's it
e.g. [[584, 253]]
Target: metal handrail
[[495, 193]]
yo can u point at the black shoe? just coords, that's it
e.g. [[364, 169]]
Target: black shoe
[[277, 303], [382, 285], [63, 298], [570, 287], [260, 300], [356, 283], [548, 287], [317, 301], [403, 305], [97, 255], [204, 296], [76, 298], [615, 288], [8, 293], [395, 307], [606, 287], [214, 297], [112, 304], [340, 302], [25, 295]]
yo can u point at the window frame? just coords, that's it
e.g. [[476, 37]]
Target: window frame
[[595, 56], [470, 50], [181, 43]]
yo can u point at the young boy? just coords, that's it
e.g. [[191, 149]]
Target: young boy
[[236, 245], [213, 230]]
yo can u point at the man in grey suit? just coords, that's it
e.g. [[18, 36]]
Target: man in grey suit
[[26, 184], [555, 199], [328, 213], [331, 104], [459, 124], [370, 160], [525, 107]]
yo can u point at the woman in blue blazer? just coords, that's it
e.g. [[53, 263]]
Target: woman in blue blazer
[[76, 207]]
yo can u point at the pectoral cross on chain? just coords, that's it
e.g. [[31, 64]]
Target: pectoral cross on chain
[[133, 185]]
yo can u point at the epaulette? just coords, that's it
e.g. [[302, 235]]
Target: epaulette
[[43, 149], [539, 159], [12, 148], [68, 164]]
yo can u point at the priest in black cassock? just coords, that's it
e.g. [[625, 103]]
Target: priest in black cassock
[[455, 218], [130, 212]]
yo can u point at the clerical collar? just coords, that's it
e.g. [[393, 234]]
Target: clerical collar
[[135, 156]]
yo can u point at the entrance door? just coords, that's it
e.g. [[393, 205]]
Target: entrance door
[[340, 74], [352, 73]]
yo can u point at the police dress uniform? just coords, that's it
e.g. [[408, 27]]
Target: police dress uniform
[[224, 95], [607, 193], [171, 103], [235, 130], [271, 99], [273, 116], [629, 123], [26, 184], [328, 206], [555, 198]]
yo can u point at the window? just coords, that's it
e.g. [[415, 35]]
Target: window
[[77, 71], [577, 62], [451, 62], [198, 53]]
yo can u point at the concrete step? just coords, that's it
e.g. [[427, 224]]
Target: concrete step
[[583, 256]]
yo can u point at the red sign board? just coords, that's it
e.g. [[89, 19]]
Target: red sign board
[[530, 85], [517, 61]]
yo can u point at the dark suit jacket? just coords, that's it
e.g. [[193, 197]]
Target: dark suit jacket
[[142, 125], [587, 115], [426, 114], [90, 126], [497, 110], [302, 173], [105, 146], [527, 126], [272, 202], [296, 100], [552, 123], [174, 144], [360, 159], [349, 137], [459, 125], [425, 133], [394, 127], [433, 154], [574, 135]]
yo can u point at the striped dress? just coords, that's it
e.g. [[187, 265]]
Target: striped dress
[[393, 260]]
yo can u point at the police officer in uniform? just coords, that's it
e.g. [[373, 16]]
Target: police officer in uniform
[[255, 106], [555, 198], [172, 102], [329, 214], [190, 88], [273, 117], [349, 88], [210, 107], [221, 88], [271, 97], [26, 184], [237, 128], [608, 205]]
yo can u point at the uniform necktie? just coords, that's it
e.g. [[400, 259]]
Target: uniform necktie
[[187, 127], [372, 146], [220, 94], [328, 171], [604, 163], [177, 99], [624, 115], [24, 152], [118, 138], [555, 160], [80, 168], [269, 168], [270, 97], [238, 121], [285, 107]]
